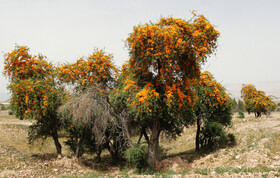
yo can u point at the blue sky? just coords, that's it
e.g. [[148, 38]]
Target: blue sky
[[64, 30]]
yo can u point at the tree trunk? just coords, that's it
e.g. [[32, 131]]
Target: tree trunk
[[78, 149], [111, 151], [56, 141], [98, 152], [139, 140], [146, 137], [154, 152], [197, 134], [143, 132]]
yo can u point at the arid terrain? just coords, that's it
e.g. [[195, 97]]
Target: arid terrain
[[256, 154]]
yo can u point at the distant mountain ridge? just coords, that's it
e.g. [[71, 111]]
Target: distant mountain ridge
[[4, 97], [270, 88]]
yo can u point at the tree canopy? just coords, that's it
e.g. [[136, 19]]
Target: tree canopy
[[256, 101], [165, 58], [35, 94]]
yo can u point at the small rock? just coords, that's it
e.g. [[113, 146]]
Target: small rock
[[237, 157], [212, 173], [55, 170], [175, 167], [59, 156], [239, 167]]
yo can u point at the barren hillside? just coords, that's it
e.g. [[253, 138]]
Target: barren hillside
[[256, 154]]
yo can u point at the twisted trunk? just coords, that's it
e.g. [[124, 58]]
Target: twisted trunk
[[77, 154], [56, 141]]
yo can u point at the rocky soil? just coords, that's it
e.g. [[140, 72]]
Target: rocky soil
[[256, 154]]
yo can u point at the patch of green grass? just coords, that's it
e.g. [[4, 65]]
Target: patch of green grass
[[243, 150], [222, 170], [251, 145], [204, 171], [216, 155], [231, 170]]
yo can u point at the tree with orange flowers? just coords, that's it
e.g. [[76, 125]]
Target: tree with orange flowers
[[213, 112], [165, 58], [35, 94], [256, 101], [96, 70]]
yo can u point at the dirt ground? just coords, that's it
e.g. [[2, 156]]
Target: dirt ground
[[256, 154]]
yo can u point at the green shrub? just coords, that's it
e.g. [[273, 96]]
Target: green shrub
[[231, 139], [137, 157], [213, 135], [11, 113], [74, 135], [240, 114], [2, 107]]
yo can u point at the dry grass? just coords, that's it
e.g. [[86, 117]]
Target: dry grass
[[257, 149], [19, 158], [184, 143]]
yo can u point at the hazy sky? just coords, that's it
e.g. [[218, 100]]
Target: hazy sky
[[64, 30]]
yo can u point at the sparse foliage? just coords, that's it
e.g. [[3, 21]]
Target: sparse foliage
[[90, 113]]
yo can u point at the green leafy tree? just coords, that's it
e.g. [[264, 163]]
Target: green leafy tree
[[2, 107], [240, 114], [234, 105], [240, 106], [165, 57]]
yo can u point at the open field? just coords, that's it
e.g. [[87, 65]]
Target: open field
[[257, 154]]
